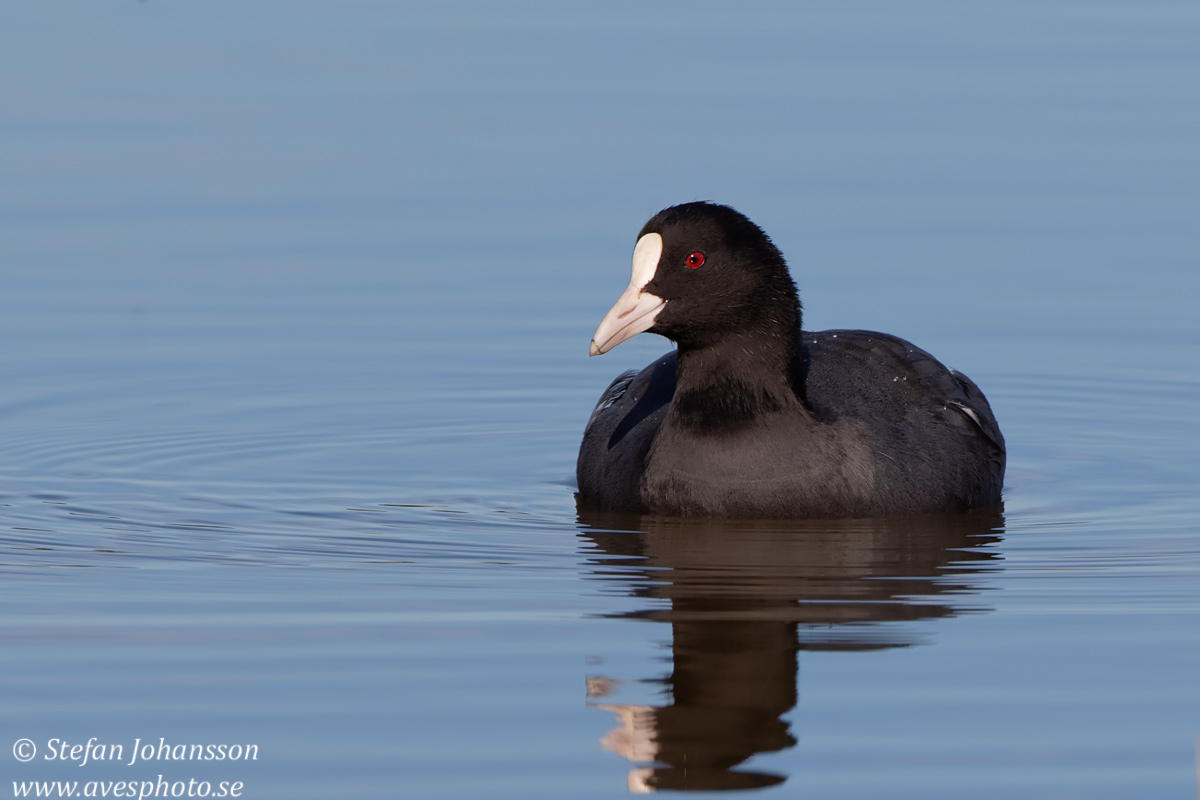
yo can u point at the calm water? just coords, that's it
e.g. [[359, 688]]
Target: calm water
[[294, 309]]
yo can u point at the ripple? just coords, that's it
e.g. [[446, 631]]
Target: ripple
[[1093, 466]]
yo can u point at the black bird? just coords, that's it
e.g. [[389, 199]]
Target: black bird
[[752, 416]]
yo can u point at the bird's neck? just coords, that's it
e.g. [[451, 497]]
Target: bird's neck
[[728, 385]]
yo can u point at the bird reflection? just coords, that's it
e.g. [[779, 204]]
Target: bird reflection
[[742, 597]]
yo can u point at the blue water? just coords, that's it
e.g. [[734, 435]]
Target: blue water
[[295, 301]]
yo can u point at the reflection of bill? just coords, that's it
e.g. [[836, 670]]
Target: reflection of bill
[[742, 598], [634, 738], [635, 735]]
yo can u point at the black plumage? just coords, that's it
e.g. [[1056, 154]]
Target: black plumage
[[751, 416]]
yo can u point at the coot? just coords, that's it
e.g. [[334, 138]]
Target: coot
[[752, 416]]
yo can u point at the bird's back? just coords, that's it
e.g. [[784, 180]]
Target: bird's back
[[923, 439]]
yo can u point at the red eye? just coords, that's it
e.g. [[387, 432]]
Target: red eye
[[696, 259]]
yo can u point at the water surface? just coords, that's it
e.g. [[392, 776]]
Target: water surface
[[293, 332]]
